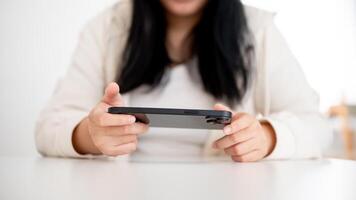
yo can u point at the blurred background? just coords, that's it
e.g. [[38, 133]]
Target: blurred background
[[38, 38]]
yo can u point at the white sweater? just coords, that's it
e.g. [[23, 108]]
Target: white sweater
[[279, 94]]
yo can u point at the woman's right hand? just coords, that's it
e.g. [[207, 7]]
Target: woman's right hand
[[108, 134]]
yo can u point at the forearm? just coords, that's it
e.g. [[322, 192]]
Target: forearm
[[82, 141]]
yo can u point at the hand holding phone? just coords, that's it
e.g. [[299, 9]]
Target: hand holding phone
[[104, 133]]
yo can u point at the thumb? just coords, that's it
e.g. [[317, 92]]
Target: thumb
[[222, 107], [112, 95]]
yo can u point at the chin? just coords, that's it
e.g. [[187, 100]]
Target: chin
[[183, 8]]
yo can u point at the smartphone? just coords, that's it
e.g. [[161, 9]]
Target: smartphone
[[177, 118]]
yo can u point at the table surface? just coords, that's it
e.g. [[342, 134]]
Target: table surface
[[54, 178]]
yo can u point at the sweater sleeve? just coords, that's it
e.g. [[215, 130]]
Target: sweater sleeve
[[75, 94], [290, 105]]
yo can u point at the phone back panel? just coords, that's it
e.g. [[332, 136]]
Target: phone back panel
[[177, 118]]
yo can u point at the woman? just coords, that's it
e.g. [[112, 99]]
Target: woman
[[184, 54]]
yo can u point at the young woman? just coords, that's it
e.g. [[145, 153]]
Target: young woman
[[183, 54]]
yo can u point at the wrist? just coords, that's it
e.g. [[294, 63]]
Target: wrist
[[82, 141], [270, 136]]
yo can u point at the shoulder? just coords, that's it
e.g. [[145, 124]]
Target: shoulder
[[111, 21], [258, 19], [105, 36]]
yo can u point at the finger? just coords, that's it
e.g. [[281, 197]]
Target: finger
[[112, 96], [239, 122], [116, 140], [242, 148], [230, 140], [222, 107], [120, 149], [133, 129], [105, 141], [249, 157], [107, 119]]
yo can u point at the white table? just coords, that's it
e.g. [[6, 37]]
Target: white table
[[51, 178]]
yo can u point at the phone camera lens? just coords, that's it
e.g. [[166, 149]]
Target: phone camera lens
[[212, 121]]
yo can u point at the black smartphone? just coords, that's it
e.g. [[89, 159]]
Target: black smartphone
[[177, 118]]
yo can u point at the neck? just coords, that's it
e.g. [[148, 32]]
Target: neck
[[179, 37], [182, 23]]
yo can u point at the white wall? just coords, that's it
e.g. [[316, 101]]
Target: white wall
[[37, 39], [322, 34]]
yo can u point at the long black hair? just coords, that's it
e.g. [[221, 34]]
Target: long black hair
[[221, 42]]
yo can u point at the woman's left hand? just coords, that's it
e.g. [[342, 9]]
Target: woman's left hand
[[246, 138]]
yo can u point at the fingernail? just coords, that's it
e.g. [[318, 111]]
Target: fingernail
[[132, 119], [227, 130]]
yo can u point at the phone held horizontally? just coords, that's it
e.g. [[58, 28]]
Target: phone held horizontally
[[177, 118]]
